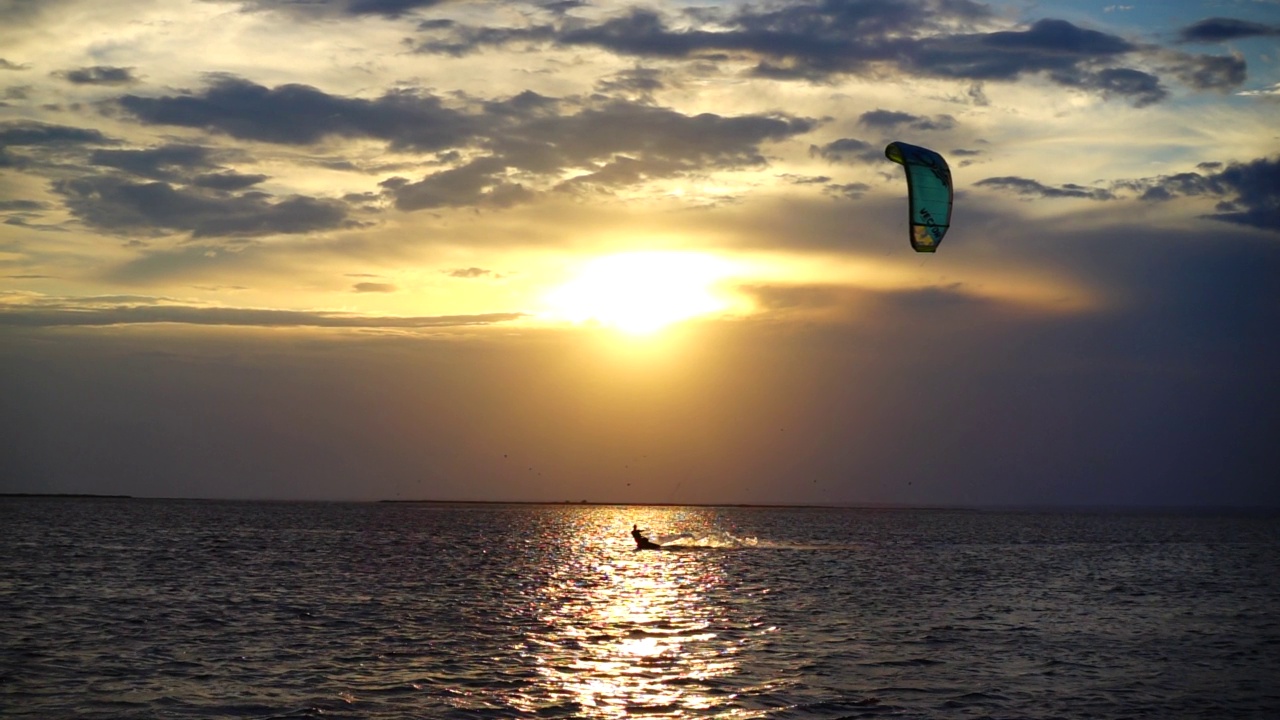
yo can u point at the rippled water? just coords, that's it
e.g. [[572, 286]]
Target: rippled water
[[186, 609]]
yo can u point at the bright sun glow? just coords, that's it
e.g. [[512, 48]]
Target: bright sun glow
[[641, 292]]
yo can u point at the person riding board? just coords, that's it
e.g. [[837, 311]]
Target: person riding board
[[642, 542]]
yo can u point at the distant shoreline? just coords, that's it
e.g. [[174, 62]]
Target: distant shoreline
[[67, 495]]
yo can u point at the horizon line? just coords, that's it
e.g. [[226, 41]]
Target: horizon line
[[1008, 507]]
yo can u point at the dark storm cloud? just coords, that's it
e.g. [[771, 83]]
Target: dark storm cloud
[[77, 315], [1214, 30], [99, 75], [7, 65], [848, 150], [119, 205], [1034, 188], [300, 114], [893, 120]]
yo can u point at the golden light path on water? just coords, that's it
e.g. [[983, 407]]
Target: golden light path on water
[[626, 632]]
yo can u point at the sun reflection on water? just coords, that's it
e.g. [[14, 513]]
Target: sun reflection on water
[[624, 632]]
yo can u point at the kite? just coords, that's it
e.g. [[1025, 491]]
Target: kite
[[928, 191]]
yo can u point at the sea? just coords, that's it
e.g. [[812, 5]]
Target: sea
[[138, 608]]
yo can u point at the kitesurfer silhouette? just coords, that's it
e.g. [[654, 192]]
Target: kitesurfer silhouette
[[642, 542]]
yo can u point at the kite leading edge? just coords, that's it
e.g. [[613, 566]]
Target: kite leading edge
[[928, 191]]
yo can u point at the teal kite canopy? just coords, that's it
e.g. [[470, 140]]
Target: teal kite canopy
[[928, 191]]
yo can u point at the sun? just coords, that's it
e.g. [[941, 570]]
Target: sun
[[641, 292]]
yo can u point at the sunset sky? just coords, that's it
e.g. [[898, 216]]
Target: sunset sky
[[640, 251]]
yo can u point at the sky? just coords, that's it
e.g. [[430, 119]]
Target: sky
[[619, 251]]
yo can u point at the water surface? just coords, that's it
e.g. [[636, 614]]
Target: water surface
[[191, 609]]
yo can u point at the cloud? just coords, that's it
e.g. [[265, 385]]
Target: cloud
[[1269, 93], [478, 184], [641, 82], [1249, 192], [390, 9], [1140, 87], [848, 191], [1219, 29], [44, 139], [30, 132], [821, 40], [8, 65], [57, 315], [1057, 47], [1029, 187], [471, 272], [458, 40], [893, 120], [653, 133], [21, 205], [118, 205], [99, 75], [815, 40], [15, 92], [848, 150], [1207, 72], [622, 171], [373, 287], [227, 181], [300, 114], [167, 162], [803, 40], [615, 141]]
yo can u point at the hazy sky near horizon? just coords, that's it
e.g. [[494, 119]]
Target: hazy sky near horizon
[[639, 251]]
